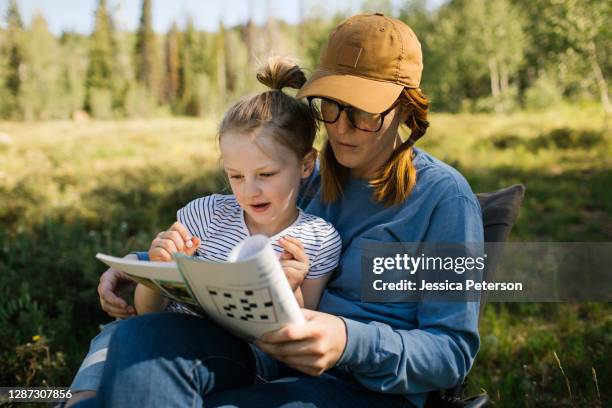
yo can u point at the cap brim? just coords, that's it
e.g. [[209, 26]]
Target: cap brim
[[366, 94]]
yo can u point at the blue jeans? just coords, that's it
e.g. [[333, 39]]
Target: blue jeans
[[172, 359], [90, 372]]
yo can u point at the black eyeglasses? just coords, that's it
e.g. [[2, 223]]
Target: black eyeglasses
[[328, 111]]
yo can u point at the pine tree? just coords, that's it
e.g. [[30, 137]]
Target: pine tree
[[99, 71], [15, 58], [248, 33], [221, 61], [172, 65], [145, 52], [186, 74], [41, 95]]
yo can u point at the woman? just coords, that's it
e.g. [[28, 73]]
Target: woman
[[375, 188]]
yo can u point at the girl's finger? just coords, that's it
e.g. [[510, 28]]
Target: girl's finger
[[160, 254], [294, 249], [195, 243], [176, 239], [292, 271], [285, 255], [182, 230], [188, 239], [291, 263], [294, 277], [296, 241], [168, 245]]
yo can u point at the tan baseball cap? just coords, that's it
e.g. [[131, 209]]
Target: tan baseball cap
[[367, 61]]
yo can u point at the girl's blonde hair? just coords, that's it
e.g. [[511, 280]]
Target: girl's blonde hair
[[396, 179], [288, 119]]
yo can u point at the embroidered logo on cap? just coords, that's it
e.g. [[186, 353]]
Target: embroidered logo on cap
[[348, 56]]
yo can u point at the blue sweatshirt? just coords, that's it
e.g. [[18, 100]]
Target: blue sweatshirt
[[404, 348]]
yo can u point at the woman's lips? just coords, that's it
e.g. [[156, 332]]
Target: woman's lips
[[260, 207], [346, 145]]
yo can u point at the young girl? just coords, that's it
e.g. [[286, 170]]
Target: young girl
[[266, 149]]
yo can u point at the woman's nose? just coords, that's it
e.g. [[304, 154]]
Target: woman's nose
[[343, 125]]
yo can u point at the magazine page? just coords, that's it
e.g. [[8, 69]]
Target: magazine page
[[249, 294], [161, 276]]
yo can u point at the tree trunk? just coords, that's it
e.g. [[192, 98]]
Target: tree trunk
[[302, 17], [248, 34], [221, 83], [494, 75], [601, 80], [504, 79], [272, 37]]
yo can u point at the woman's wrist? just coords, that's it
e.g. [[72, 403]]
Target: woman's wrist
[[346, 343]]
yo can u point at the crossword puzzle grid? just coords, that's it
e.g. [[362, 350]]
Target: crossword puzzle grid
[[247, 305]]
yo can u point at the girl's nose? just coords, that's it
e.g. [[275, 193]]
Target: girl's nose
[[251, 188]]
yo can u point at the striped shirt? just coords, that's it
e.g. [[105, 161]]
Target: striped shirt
[[218, 220]]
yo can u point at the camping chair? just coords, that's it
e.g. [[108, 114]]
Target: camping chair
[[499, 212]]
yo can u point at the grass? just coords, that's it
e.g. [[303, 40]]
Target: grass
[[69, 190]]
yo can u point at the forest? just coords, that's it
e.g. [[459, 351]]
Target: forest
[[104, 135]]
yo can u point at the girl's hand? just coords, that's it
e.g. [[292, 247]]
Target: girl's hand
[[176, 239], [311, 348], [294, 261]]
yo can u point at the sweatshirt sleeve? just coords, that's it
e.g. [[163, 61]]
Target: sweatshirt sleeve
[[440, 351]]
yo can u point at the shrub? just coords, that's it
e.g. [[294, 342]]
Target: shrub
[[101, 101], [544, 92]]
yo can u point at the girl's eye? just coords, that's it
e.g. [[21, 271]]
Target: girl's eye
[[236, 177], [269, 174]]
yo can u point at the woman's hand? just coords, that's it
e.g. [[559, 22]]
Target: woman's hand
[[311, 348], [294, 261], [113, 287], [176, 239]]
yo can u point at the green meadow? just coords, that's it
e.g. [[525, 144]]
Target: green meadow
[[69, 190]]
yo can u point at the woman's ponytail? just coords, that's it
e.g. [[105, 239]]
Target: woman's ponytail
[[397, 178]]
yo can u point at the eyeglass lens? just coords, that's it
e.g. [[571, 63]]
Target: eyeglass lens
[[329, 111]]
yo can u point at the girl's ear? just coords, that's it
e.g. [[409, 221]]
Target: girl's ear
[[308, 163]]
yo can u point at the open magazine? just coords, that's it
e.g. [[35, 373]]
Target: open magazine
[[249, 294]]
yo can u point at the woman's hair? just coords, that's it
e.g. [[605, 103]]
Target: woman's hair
[[288, 119], [396, 179]]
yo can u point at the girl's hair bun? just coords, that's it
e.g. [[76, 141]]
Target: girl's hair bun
[[281, 72]]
